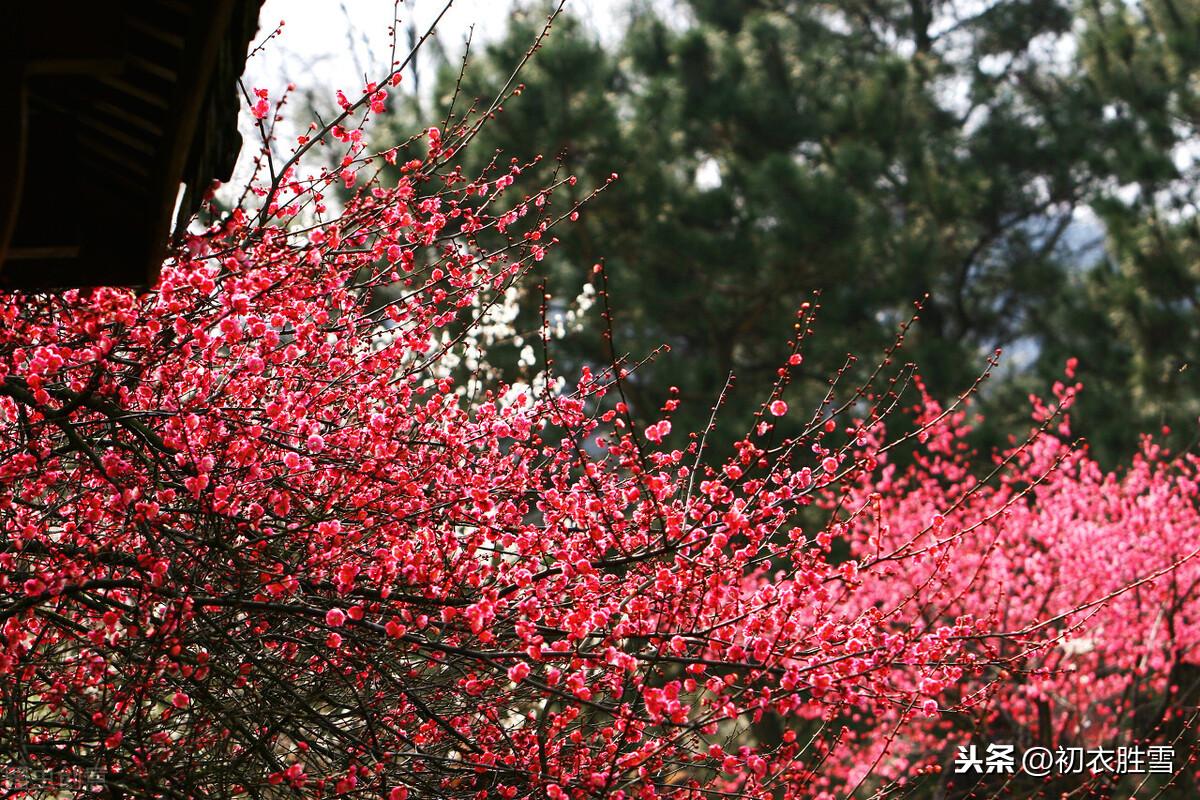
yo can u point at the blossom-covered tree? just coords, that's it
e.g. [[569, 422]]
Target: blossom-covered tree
[[1087, 582], [264, 532]]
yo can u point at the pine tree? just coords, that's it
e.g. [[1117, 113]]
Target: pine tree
[[877, 152]]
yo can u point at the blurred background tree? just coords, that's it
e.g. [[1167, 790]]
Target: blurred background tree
[[1026, 163]]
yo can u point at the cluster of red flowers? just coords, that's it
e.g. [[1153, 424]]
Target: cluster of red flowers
[[256, 541]]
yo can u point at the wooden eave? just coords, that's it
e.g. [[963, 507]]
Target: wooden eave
[[113, 108]]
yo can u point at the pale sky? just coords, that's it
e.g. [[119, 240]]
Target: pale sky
[[332, 42], [328, 45]]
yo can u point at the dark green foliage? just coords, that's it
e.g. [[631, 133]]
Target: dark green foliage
[[878, 151]]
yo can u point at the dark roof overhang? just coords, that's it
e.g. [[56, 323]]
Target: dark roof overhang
[[112, 108]]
